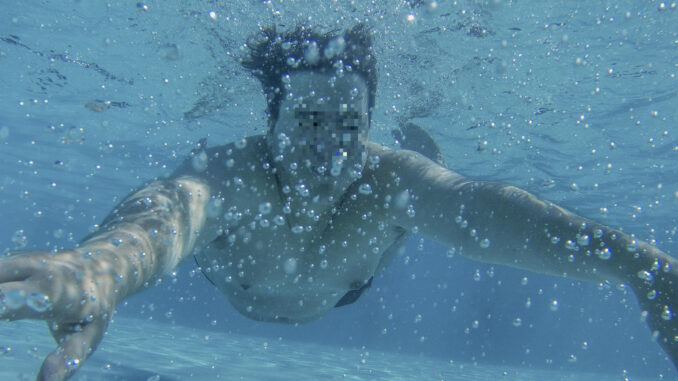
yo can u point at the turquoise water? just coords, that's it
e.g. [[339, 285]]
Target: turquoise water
[[574, 102]]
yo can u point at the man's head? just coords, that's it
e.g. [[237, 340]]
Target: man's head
[[273, 55], [322, 127]]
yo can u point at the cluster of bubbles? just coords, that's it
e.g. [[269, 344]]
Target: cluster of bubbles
[[19, 239], [484, 243]]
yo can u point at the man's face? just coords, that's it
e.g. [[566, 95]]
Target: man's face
[[323, 124]]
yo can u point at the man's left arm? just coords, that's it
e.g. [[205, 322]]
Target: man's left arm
[[502, 224]]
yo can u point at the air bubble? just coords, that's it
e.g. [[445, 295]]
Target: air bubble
[[199, 161], [570, 245], [485, 243], [240, 144], [517, 322], [13, 299], [279, 220], [645, 275], [296, 229], [38, 302], [312, 53], [667, 314], [323, 264], [652, 295], [476, 276], [583, 240], [604, 254], [302, 190], [410, 211], [554, 305], [402, 199], [72, 363], [365, 189], [265, 208], [335, 47], [290, 266]]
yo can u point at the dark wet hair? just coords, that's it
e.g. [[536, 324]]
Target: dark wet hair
[[271, 54]]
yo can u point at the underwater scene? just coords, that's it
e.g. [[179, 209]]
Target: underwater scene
[[241, 226]]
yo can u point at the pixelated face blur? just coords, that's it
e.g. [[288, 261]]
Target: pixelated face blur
[[323, 123]]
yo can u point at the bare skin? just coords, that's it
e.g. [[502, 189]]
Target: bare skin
[[284, 252]]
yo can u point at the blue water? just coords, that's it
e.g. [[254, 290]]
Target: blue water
[[574, 102]]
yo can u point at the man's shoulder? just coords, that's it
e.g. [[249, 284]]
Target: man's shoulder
[[393, 158], [402, 167]]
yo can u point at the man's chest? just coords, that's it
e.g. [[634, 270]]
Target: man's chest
[[265, 245]]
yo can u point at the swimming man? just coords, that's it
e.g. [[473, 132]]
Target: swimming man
[[294, 223]]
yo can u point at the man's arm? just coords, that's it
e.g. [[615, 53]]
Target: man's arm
[[502, 224], [77, 290], [151, 231]]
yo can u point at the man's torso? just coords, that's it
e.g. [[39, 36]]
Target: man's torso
[[291, 266]]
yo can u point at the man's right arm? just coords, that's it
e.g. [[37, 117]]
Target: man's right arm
[[77, 290], [151, 231]]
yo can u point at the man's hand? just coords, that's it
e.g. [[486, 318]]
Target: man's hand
[[73, 292], [657, 292]]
